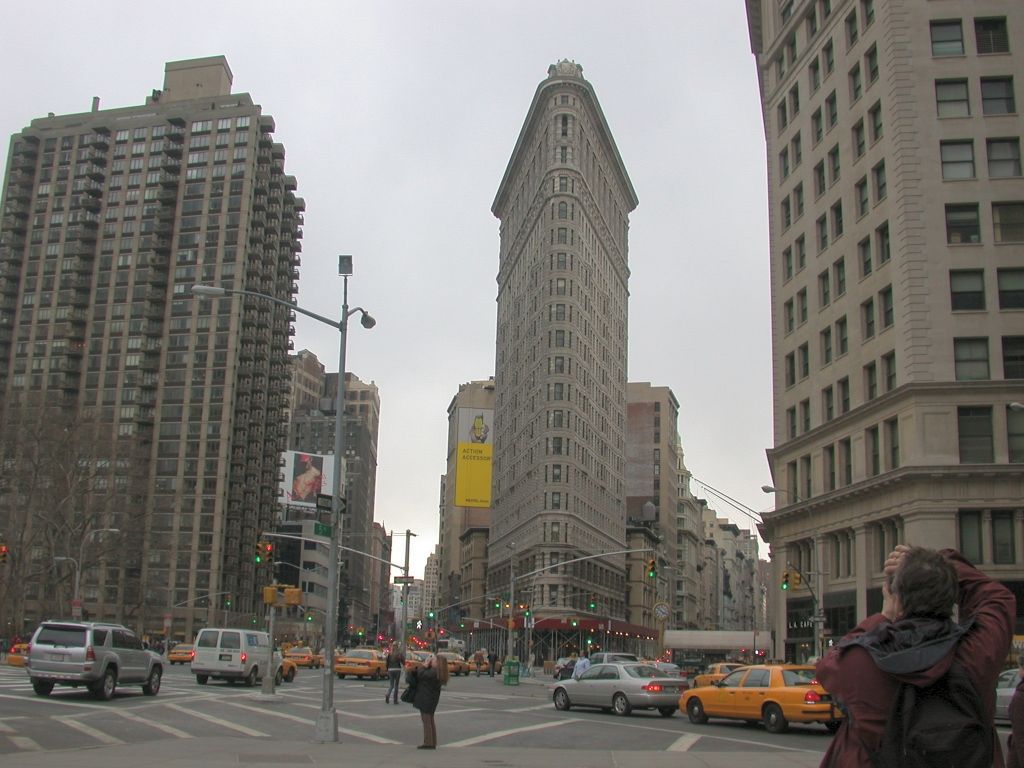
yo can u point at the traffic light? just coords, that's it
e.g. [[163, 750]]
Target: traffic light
[[264, 552], [258, 557], [592, 604], [526, 610], [497, 604], [4, 549], [652, 569], [309, 616], [430, 614], [796, 578], [785, 581], [227, 600]]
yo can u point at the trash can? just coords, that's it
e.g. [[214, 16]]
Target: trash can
[[511, 671]]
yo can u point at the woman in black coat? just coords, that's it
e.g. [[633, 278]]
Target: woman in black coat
[[427, 681]]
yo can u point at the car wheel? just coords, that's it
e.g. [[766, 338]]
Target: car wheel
[[667, 711], [774, 720], [833, 725], [104, 689], [250, 679], [152, 685], [42, 687], [621, 704], [290, 676], [695, 711], [341, 676], [201, 679], [562, 700]]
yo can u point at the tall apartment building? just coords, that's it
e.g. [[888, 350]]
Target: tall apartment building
[[308, 377], [560, 372], [897, 283], [689, 546], [462, 590], [165, 409]]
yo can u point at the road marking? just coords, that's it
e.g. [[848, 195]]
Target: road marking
[[168, 729], [25, 744], [217, 721], [53, 700], [509, 732], [683, 743], [88, 730], [307, 721], [4, 727], [530, 709]]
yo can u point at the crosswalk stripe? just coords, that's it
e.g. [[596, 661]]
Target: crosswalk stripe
[[684, 742], [168, 729], [89, 730], [218, 721], [511, 731], [25, 744], [307, 721]]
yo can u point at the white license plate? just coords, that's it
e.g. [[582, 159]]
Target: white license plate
[[56, 656], [225, 657]]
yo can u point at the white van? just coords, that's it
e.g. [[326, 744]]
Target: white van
[[232, 654]]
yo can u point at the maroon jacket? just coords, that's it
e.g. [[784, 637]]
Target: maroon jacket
[[1015, 746], [851, 675]]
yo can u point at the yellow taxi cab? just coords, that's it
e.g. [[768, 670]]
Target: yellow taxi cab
[[415, 659], [303, 656], [361, 662], [182, 653], [714, 672], [456, 664], [287, 671], [772, 694], [17, 654]]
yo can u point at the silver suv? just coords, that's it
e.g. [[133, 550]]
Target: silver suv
[[98, 656]]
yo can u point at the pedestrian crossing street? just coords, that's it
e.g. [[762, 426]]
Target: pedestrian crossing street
[[72, 719]]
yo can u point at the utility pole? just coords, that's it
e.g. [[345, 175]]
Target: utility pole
[[512, 602], [400, 630], [267, 686]]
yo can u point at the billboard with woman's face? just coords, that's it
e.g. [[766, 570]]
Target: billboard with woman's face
[[305, 476]]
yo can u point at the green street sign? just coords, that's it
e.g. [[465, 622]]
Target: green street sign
[[319, 529]]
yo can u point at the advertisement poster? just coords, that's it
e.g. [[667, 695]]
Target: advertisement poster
[[473, 463]]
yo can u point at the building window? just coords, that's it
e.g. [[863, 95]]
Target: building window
[[801, 306], [1003, 158], [867, 312], [871, 63], [873, 444], [790, 369], [970, 535], [804, 356], [794, 100], [1008, 222], [991, 36], [787, 264], [801, 253], [885, 300], [889, 371], [831, 110], [1013, 357], [864, 256], [947, 38], [837, 220], [821, 227], [860, 192], [875, 121], [844, 395], [826, 346], [962, 224], [833, 164], [791, 422], [805, 474], [892, 442], [817, 125], [957, 159], [967, 289], [839, 276], [870, 381], [1015, 435], [786, 213], [805, 415], [846, 458], [824, 289], [798, 200], [997, 96], [1002, 537], [970, 358], [856, 83], [828, 459], [951, 98], [878, 178], [789, 319], [814, 75], [852, 30], [819, 179], [784, 162], [859, 139], [883, 248], [1011, 288], [974, 427], [828, 403], [842, 336]]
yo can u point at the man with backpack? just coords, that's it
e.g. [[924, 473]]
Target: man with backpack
[[918, 688]]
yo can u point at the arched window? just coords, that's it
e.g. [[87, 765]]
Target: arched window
[[563, 210]]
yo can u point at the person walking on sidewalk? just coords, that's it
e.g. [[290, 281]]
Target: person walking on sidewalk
[[478, 659], [427, 681], [395, 665], [492, 660]]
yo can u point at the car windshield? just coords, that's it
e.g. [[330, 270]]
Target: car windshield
[[803, 676], [55, 634], [360, 654], [642, 670], [299, 650]]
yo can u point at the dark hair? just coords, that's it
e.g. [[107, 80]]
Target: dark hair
[[926, 584]]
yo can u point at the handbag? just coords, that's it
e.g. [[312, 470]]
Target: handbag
[[408, 694]]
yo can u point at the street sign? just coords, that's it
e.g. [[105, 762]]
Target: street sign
[[405, 579], [323, 501], [319, 529], [76, 608]]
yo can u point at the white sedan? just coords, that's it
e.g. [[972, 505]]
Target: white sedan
[[621, 688]]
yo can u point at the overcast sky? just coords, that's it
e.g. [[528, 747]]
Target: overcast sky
[[399, 118]]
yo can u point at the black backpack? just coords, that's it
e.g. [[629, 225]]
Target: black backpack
[[939, 726]]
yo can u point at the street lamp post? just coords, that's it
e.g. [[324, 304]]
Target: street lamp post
[[327, 719], [76, 601], [512, 601]]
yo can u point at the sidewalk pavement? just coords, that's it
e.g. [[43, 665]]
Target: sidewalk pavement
[[228, 751]]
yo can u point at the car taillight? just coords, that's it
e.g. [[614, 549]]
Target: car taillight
[[244, 656], [191, 655], [652, 688], [812, 697], [90, 654]]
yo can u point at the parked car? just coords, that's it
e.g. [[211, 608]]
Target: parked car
[[182, 653], [621, 688], [303, 656], [1005, 686], [234, 655], [456, 664], [714, 672], [97, 655], [361, 662], [563, 667], [773, 694], [17, 655]]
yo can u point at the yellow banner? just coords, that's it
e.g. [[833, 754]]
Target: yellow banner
[[473, 475]]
